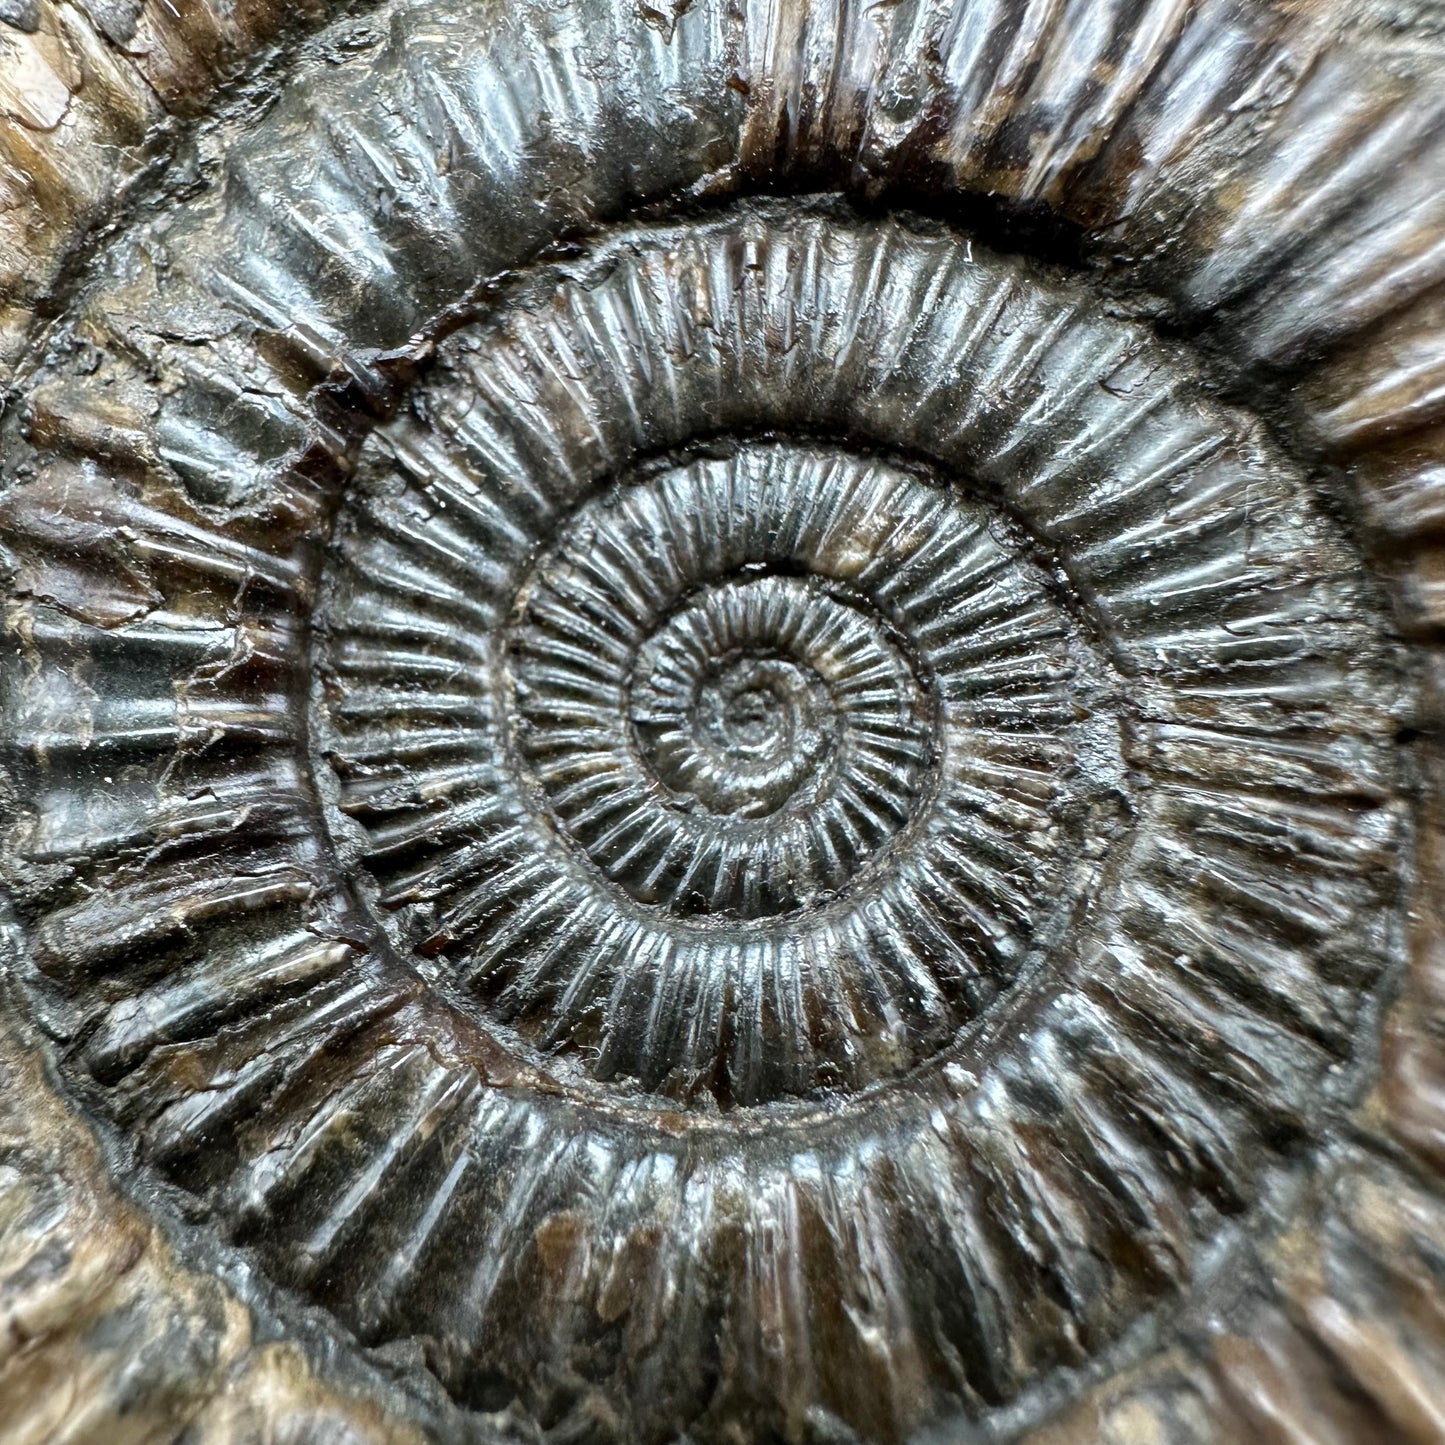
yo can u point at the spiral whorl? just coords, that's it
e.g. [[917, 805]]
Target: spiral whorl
[[698, 745], [780, 759], [719, 740]]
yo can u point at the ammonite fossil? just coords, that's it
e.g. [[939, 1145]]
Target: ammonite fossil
[[720, 722]]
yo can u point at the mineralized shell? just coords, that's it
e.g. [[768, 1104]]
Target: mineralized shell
[[720, 723]]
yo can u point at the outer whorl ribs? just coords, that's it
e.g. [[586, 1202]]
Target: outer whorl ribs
[[776, 822], [764, 771], [986, 708]]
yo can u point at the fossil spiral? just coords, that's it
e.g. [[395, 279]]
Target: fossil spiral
[[719, 726]]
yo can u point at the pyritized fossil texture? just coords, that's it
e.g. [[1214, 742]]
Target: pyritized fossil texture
[[719, 725]]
